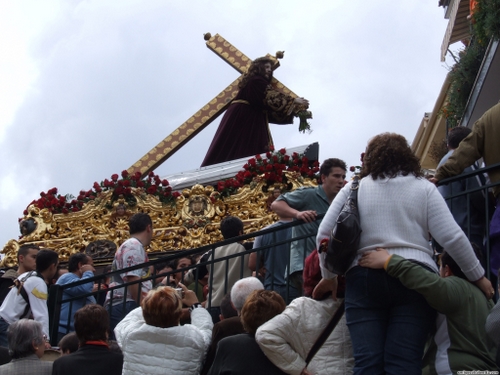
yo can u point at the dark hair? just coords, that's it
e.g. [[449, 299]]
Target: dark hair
[[22, 336], [161, 265], [328, 164], [176, 261], [69, 343], [139, 222], [256, 68], [231, 226], [91, 323], [24, 250], [387, 155], [260, 306], [226, 308], [45, 258], [75, 259], [447, 260], [456, 135]]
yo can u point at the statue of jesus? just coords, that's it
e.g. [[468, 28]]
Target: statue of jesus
[[244, 128]]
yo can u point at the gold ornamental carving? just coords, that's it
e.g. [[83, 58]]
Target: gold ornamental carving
[[192, 221]]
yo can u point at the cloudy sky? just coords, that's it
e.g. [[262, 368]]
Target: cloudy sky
[[88, 87]]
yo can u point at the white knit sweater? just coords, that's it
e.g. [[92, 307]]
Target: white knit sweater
[[398, 214]]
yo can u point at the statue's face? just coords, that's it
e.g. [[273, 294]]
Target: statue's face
[[197, 206], [268, 71]]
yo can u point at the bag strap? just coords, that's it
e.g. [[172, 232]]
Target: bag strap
[[326, 332], [19, 284]]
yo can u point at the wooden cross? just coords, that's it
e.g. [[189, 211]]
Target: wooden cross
[[209, 112]]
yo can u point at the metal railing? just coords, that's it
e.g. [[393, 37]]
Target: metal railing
[[56, 295]]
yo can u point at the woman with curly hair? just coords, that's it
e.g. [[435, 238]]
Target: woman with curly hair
[[244, 129], [398, 208]]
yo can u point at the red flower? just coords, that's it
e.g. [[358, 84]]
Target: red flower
[[53, 191], [126, 183], [286, 158], [136, 176], [125, 174], [65, 211], [283, 151], [151, 174], [42, 194], [114, 177], [25, 212], [140, 184], [176, 194], [164, 182], [151, 189], [271, 148], [75, 209], [252, 162], [352, 168], [269, 154]]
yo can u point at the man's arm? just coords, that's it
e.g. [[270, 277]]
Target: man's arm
[[134, 289], [468, 151], [443, 294], [282, 209]]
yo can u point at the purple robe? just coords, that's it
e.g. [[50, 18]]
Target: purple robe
[[244, 129]]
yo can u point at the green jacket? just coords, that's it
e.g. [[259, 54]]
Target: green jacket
[[465, 309], [482, 142]]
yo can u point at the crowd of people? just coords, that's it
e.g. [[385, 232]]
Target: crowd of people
[[243, 310]]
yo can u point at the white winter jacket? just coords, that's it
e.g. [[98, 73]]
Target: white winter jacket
[[287, 338], [153, 350]]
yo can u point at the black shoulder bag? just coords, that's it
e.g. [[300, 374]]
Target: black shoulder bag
[[344, 240]]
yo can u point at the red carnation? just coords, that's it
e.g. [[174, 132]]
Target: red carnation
[[282, 151], [164, 182], [114, 177], [151, 174], [125, 174], [65, 211], [151, 189]]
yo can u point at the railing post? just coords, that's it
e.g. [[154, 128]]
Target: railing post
[[54, 307]]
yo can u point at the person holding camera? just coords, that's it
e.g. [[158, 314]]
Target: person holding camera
[[154, 328]]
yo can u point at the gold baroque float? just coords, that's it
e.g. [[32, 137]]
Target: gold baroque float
[[191, 222]]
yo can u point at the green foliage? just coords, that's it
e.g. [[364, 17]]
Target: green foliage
[[486, 25]]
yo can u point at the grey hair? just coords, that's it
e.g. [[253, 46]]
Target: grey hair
[[23, 336], [242, 289]]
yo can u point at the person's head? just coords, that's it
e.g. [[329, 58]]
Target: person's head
[[448, 266], [25, 338], [69, 343], [26, 257], [242, 289], [91, 323], [456, 135], [162, 307], [141, 227], [261, 306], [332, 176], [262, 66], [76, 261], [388, 155], [164, 267], [180, 264], [46, 263], [231, 226], [226, 308]]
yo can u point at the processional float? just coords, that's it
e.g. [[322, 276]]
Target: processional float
[[187, 208]]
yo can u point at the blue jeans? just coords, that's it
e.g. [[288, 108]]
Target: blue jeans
[[389, 324], [117, 313]]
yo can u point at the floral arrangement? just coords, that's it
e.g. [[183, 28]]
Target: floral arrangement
[[121, 187], [271, 169]]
